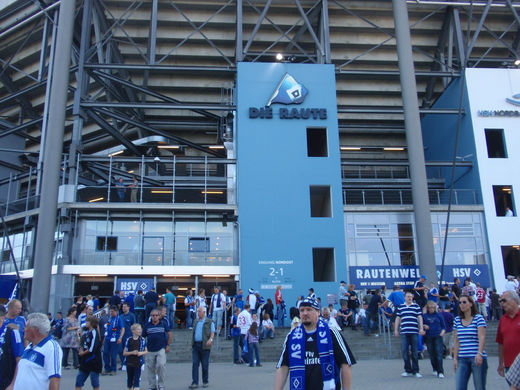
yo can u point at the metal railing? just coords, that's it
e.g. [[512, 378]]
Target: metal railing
[[404, 197]]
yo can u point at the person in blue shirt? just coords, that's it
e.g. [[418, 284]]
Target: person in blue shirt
[[11, 349], [158, 339], [235, 335], [203, 334], [435, 329], [171, 306], [396, 296], [128, 320], [433, 293], [14, 309], [238, 299], [189, 304], [115, 331]]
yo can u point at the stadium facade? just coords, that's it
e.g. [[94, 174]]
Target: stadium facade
[[257, 143]]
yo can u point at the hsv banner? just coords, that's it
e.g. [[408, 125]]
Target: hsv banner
[[132, 285], [372, 277]]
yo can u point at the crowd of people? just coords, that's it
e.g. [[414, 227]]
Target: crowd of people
[[130, 331]]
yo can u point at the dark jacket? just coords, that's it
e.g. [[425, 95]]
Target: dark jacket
[[206, 332], [91, 341]]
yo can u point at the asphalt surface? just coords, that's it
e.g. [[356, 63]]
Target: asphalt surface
[[367, 375]]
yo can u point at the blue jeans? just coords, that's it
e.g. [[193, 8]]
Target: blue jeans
[[253, 348], [110, 351], [279, 315], [82, 377], [267, 333], [465, 368], [410, 341], [190, 316], [435, 350], [236, 348], [170, 315], [200, 356]]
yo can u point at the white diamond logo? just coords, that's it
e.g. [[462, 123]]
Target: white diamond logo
[[143, 286], [477, 272]]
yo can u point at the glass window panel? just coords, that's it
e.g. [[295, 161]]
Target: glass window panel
[[198, 244], [373, 244], [153, 244], [158, 227], [130, 227], [128, 243], [461, 244], [456, 258], [216, 227], [153, 259], [374, 259]]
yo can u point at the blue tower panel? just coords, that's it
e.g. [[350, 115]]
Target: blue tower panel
[[276, 105]]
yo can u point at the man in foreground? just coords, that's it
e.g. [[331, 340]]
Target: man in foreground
[[315, 356], [40, 365]]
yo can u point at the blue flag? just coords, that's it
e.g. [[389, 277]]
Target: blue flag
[[289, 91]]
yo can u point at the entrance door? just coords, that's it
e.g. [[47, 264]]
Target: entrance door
[[511, 259]]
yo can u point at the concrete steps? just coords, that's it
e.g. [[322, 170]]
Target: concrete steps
[[364, 347]]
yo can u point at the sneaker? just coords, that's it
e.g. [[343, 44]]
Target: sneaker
[[435, 373], [404, 374], [112, 373], [105, 373], [259, 365], [193, 386], [205, 384], [418, 375], [441, 375]]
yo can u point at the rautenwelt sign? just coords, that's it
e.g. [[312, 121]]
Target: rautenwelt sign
[[370, 276]]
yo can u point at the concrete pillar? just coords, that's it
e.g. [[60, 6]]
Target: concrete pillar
[[423, 222], [44, 247]]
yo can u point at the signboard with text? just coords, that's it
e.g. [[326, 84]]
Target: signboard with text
[[132, 285], [374, 277]]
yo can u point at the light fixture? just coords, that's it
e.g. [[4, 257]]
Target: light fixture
[[93, 275], [279, 57], [95, 200], [162, 191], [168, 147], [176, 276], [350, 148], [131, 171], [213, 192], [395, 149], [517, 62], [116, 153], [216, 147], [215, 276]]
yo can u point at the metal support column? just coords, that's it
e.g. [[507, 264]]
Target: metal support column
[[423, 222], [51, 162], [239, 55]]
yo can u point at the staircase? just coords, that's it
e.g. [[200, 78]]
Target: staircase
[[363, 347]]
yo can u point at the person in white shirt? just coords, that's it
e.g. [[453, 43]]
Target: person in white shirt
[[267, 327], [217, 308], [333, 324], [40, 365], [510, 284], [251, 299], [244, 321], [201, 299]]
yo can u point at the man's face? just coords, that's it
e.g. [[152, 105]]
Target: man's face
[[31, 333], [408, 298], [509, 305], [240, 292], [113, 313], [15, 310], [255, 317], [90, 310], [155, 317], [200, 313], [309, 316]]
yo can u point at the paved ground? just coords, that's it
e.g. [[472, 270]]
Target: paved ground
[[368, 375]]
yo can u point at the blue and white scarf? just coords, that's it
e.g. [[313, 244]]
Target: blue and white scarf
[[297, 341]]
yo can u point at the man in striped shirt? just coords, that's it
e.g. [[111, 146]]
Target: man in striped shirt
[[409, 324]]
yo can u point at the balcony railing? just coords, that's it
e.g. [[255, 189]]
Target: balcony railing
[[404, 197]]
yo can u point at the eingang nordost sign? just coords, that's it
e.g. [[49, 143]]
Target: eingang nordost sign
[[288, 91]]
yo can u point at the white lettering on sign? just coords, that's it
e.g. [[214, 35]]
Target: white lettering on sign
[[461, 272], [128, 286]]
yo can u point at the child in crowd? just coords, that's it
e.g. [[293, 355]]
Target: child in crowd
[[135, 348], [267, 327], [252, 339], [90, 354]]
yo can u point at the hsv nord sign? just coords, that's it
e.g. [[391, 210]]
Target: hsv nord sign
[[288, 91]]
